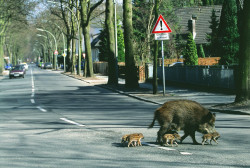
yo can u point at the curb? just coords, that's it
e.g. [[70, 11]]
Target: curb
[[227, 111], [101, 85]]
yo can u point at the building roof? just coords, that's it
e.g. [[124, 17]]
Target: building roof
[[95, 42], [203, 15]]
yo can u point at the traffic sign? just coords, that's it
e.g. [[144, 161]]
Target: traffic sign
[[56, 52], [161, 36], [161, 26]]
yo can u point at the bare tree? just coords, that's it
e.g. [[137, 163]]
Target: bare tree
[[86, 11], [131, 79], [10, 12], [156, 49], [243, 87], [109, 22]]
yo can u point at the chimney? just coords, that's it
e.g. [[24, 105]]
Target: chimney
[[193, 29]]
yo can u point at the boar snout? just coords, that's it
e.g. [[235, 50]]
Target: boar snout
[[206, 128]]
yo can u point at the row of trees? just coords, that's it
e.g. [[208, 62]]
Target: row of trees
[[74, 16], [13, 25]]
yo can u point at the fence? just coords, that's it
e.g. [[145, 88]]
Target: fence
[[102, 68], [208, 76], [216, 77], [201, 61]]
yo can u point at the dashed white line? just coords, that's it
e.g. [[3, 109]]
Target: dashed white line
[[72, 122], [41, 109], [32, 83], [165, 148], [185, 153], [32, 101]]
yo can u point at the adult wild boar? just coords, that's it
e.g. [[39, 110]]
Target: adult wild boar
[[185, 115]]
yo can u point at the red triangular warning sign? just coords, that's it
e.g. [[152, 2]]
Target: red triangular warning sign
[[161, 26]]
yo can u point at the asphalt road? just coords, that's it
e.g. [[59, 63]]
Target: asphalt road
[[51, 120]]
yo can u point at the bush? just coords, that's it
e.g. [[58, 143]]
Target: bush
[[190, 55]]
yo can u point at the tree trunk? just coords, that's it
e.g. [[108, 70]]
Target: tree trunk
[[156, 49], [67, 59], [112, 60], [68, 28], [131, 79], [89, 65], [85, 28], [73, 65], [243, 87], [1, 56]]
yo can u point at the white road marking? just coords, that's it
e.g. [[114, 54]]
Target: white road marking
[[185, 153], [32, 101], [72, 122], [32, 83], [41, 109], [165, 148]]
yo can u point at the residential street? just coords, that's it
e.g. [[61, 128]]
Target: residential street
[[51, 120]]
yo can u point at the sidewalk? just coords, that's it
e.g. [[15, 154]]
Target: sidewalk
[[210, 100], [145, 93]]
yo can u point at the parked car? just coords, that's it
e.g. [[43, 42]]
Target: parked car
[[25, 65], [48, 65], [17, 71], [22, 65], [8, 66]]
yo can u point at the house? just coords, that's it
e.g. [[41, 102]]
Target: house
[[197, 19], [94, 48]]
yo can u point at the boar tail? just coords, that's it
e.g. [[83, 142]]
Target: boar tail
[[152, 124]]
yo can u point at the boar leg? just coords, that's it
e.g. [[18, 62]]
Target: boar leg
[[184, 136], [160, 133], [213, 140], [192, 134]]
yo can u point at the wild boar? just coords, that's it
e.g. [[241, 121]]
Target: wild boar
[[134, 138], [185, 115], [171, 138], [212, 137]]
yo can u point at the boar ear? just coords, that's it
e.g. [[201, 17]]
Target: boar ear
[[214, 114], [210, 116]]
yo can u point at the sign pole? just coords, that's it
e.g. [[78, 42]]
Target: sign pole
[[64, 64], [161, 31], [163, 68]]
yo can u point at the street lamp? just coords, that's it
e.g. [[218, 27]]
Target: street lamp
[[38, 43], [79, 36], [55, 55], [50, 43], [64, 54]]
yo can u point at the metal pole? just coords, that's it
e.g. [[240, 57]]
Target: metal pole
[[64, 69], [116, 47], [55, 56], [163, 68], [64, 66], [116, 44]]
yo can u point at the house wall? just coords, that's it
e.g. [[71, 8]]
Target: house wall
[[95, 54]]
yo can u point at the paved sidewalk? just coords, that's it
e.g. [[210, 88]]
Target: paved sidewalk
[[208, 99]]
